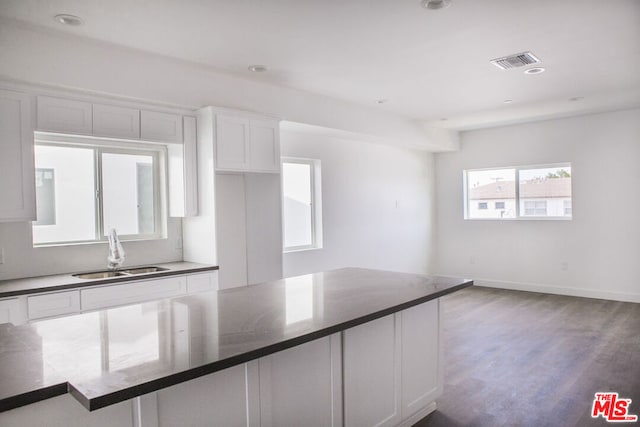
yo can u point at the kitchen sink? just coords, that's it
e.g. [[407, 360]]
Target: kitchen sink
[[106, 274], [142, 270], [99, 275]]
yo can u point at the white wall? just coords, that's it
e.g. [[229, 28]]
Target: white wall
[[361, 183], [21, 259], [596, 254]]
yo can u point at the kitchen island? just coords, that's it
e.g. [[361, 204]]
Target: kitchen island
[[344, 347]]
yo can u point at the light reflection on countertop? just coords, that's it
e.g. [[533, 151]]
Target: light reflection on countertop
[[111, 355]]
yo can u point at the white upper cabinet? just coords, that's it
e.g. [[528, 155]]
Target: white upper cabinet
[[78, 117], [17, 185], [183, 177], [265, 145], [161, 127], [64, 116], [116, 122], [232, 143], [246, 144]]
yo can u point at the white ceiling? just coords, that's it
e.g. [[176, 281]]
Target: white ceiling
[[428, 65]]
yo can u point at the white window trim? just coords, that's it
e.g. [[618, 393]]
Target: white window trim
[[517, 169], [316, 205], [107, 145]]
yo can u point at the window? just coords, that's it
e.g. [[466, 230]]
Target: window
[[519, 192], [302, 211], [535, 207], [83, 190]]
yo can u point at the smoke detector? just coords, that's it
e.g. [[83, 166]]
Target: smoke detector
[[515, 61]]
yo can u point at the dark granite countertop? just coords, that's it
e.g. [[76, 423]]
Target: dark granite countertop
[[32, 285], [108, 356]]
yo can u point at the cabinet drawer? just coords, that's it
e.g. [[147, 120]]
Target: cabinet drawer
[[55, 304], [202, 282], [116, 122], [132, 292], [64, 115]]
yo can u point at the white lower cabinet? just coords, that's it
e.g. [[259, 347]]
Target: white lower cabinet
[[421, 358], [300, 386], [66, 411], [12, 310], [132, 292], [53, 304], [215, 400], [372, 372], [202, 282]]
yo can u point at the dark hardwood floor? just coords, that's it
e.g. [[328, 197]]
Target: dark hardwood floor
[[528, 359]]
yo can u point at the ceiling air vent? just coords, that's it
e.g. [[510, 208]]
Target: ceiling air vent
[[515, 61]]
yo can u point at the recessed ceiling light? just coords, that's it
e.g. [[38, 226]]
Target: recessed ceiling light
[[66, 19], [534, 70], [576, 98], [258, 68], [435, 4], [508, 101]]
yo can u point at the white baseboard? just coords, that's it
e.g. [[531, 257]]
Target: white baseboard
[[419, 415], [557, 290]]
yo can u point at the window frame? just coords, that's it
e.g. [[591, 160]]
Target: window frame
[[100, 146], [519, 216], [316, 204]]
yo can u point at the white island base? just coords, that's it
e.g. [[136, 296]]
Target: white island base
[[386, 372]]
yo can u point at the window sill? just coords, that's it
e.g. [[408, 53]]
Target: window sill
[[291, 251], [533, 218], [100, 242]]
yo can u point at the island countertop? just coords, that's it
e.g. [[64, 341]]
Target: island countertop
[[108, 356]]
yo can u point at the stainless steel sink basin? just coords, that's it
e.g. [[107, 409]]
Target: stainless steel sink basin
[[98, 275], [142, 270], [112, 273]]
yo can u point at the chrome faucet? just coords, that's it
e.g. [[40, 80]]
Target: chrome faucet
[[116, 252]]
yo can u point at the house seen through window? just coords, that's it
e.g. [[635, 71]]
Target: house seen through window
[[83, 190], [519, 192]]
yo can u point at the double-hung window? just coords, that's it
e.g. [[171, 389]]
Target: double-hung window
[[86, 187], [302, 210], [523, 192]]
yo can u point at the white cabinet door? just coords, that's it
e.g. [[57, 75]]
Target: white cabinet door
[[183, 173], [216, 400], [132, 292], [160, 127], [64, 116], [372, 370], [301, 386], [231, 229], [202, 282], [116, 122], [232, 143], [54, 304], [8, 309], [17, 185], [265, 146], [421, 359]]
